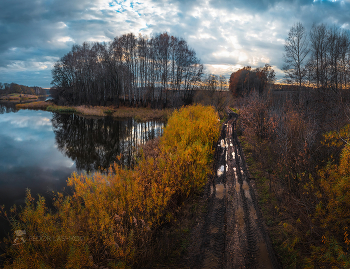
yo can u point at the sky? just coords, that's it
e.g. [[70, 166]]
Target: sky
[[226, 34]]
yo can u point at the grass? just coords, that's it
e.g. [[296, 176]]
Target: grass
[[17, 96], [64, 109], [142, 114], [280, 223], [139, 114], [235, 110], [34, 105]]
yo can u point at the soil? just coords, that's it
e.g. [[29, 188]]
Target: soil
[[231, 233]]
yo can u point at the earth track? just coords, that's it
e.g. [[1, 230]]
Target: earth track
[[233, 234]]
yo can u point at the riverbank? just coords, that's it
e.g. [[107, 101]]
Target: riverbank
[[139, 114], [126, 218], [18, 97]]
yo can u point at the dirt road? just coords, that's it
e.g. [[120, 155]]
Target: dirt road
[[232, 234]]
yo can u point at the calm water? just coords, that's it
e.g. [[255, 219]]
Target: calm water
[[39, 150]]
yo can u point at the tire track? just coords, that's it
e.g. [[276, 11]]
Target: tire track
[[233, 235]]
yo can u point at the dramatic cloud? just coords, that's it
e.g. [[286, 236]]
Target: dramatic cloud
[[226, 34]]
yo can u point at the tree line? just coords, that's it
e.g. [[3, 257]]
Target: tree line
[[319, 58], [158, 71], [8, 88]]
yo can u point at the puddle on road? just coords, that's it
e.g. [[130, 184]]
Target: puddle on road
[[222, 143], [220, 171], [220, 191]]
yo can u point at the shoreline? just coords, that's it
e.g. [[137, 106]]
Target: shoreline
[[139, 114], [18, 97]]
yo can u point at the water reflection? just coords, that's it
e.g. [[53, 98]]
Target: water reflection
[[94, 144], [29, 159], [39, 150], [10, 106], [7, 107]]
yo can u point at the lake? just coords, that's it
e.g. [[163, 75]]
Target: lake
[[39, 150]]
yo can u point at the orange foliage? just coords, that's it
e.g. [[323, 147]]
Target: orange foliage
[[333, 210], [110, 217]]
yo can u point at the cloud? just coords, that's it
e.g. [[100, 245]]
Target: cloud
[[34, 34]]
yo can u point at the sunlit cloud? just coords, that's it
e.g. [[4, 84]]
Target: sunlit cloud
[[236, 33], [65, 39]]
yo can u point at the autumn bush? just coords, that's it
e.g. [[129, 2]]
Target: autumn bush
[[302, 174], [332, 211], [111, 217]]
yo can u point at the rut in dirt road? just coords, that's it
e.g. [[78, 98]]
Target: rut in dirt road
[[233, 235]]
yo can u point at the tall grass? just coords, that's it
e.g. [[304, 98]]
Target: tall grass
[[34, 105], [110, 218], [54, 108], [17, 96]]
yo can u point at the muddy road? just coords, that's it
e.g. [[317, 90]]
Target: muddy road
[[232, 234]]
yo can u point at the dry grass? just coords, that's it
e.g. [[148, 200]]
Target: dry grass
[[34, 105], [139, 114], [142, 114], [92, 110], [17, 96]]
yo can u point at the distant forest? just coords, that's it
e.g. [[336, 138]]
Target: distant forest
[[159, 71], [6, 88]]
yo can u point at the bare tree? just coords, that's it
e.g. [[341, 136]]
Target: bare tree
[[319, 47], [133, 70], [296, 47]]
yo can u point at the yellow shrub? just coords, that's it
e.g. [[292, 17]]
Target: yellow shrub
[[111, 216], [333, 210]]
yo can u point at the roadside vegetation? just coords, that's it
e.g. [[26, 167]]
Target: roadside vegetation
[[115, 218], [302, 176], [296, 141]]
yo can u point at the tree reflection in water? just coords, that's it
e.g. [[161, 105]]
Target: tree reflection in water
[[95, 143], [7, 107]]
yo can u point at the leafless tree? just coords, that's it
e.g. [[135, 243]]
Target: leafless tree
[[133, 70], [296, 48]]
